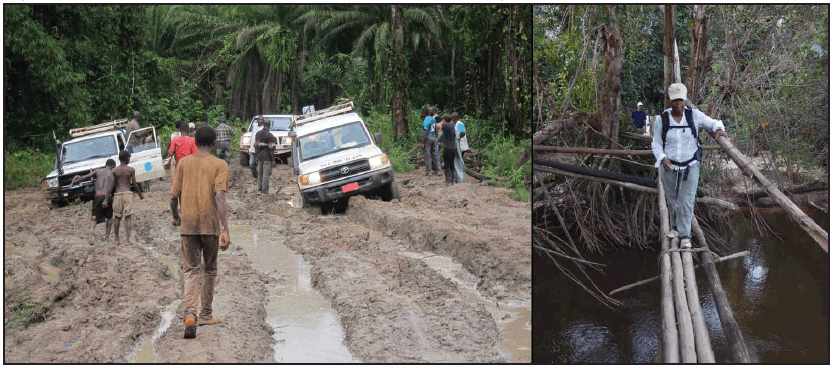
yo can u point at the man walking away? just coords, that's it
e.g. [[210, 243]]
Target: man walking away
[[462, 145], [200, 184], [449, 148], [125, 177], [103, 201], [182, 146], [638, 117], [224, 133], [265, 152], [252, 147], [429, 142]]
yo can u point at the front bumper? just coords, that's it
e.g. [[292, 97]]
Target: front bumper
[[368, 183], [84, 190]]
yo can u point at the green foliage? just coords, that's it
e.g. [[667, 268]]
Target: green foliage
[[397, 151], [502, 154], [18, 306], [25, 167]]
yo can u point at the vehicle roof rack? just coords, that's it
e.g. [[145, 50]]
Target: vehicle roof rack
[[103, 127], [341, 107]]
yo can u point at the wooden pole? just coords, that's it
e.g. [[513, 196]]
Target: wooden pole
[[599, 151], [727, 319], [669, 338], [701, 334], [705, 200], [643, 282], [816, 232], [687, 350]]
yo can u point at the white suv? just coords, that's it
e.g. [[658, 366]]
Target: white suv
[[279, 128], [335, 157]]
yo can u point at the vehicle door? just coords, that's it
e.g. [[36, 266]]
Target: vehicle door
[[147, 156]]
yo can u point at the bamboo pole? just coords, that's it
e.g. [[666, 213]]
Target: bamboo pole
[[669, 339], [701, 334], [687, 350], [643, 282], [705, 200], [816, 232], [599, 151], [727, 319]]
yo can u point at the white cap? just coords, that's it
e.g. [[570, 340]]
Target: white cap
[[191, 125], [677, 91], [639, 103]]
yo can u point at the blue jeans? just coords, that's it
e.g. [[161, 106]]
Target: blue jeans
[[252, 164]]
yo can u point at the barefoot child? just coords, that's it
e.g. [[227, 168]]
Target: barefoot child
[[125, 176], [102, 209]]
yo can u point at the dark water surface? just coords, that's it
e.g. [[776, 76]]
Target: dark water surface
[[780, 295]]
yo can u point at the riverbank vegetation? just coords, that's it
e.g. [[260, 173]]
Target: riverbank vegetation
[[75, 65]]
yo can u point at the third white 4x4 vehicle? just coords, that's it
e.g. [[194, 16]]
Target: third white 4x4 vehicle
[[335, 157], [279, 128]]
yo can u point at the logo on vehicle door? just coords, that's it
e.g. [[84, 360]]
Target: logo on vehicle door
[[345, 170]]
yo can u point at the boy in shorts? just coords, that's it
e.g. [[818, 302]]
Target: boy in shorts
[[125, 176], [102, 204]]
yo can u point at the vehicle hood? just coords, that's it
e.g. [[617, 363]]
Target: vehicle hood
[[82, 166], [338, 158], [275, 133]]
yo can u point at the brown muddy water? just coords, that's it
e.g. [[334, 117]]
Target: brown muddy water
[[780, 295], [307, 329]]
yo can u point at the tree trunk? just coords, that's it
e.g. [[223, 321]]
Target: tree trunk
[[700, 57], [611, 100], [400, 125], [667, 50], [669, 338]]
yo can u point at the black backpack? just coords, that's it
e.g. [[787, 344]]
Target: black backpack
[[666, 125]]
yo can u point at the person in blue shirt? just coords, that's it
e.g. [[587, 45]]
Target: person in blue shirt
[[459, 164], [429, 142], [638, 117]]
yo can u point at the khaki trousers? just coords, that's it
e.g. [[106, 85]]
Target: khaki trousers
[[199, 250]]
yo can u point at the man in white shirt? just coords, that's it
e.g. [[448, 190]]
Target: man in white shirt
[[252, 161], [677, 150]]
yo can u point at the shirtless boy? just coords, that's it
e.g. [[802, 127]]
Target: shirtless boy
[[123, 199], [102, 204]]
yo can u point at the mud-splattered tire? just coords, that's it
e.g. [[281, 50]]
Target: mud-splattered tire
[[244, 159], [341, 205], [389, 192], [56, 204], [310, 208]]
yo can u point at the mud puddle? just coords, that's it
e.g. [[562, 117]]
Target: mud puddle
[[512, 318], [144, 354], [306, 327]]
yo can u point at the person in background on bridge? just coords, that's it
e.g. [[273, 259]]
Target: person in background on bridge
[[677, 149], [200, 183], [224, 134], [638, 118], [103, 201]]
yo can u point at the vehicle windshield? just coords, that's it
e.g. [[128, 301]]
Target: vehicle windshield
[[277, 123], [333, 140], [89, 148]]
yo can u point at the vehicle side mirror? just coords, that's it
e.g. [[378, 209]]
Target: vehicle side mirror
[[243, 129], [378, 138]]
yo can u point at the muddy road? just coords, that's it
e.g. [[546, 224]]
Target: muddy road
[[441, 275]]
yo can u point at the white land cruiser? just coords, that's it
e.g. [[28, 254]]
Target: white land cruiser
[[279, 128], [90, 149], [335, 157]]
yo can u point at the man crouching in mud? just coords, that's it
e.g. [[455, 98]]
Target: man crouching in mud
[[123, 199], [200, 183], [103, 202]]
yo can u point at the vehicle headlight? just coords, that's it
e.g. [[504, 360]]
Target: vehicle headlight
[[287, 141], [378, 161], [50, 183], [311, 179], [246, 141]]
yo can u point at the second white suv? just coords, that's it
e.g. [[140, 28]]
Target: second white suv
[[279, 128]]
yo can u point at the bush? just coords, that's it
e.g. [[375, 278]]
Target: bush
[[26, 167], [502, 154]]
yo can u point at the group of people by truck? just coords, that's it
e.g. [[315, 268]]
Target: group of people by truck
[[451, 132]]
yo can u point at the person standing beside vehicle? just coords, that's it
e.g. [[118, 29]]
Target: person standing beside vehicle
[[449, 139], [181, 146], [125, 177], [200, 183], [430, 145], [677, 149], [103, 200], [255, 129], [134, 140], [224, 134], [462, 146], [265, 154]]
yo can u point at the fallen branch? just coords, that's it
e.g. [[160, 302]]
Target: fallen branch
[[669, 338], [655, 278], [793, 189], [592, 150], [705, 200], [483, 177], [816, 232]]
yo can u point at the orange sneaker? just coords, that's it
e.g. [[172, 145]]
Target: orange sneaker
[[208, 321], [190, 328]]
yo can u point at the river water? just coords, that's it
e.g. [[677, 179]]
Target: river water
[[780, 295]]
